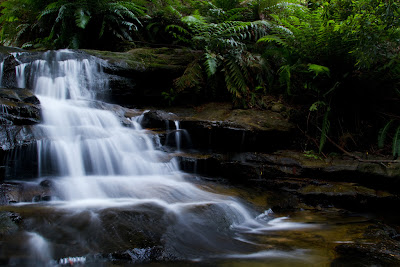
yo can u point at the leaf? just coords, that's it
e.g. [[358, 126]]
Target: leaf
[[396, 142], [383, 133], [211, 64], [82, 18], [273, 39], [318, 69], [325, 129], [316, 105]]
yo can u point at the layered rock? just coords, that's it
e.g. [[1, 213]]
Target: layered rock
[[20, 110], [139, 76]]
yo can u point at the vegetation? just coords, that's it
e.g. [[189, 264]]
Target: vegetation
[[338, 59]]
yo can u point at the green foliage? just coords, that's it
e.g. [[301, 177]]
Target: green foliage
[[324, 130], [336, 52], [312, 155], [225, 52], [169, 96], [226, 4], [385, 131], [73, 24], [192, 78]]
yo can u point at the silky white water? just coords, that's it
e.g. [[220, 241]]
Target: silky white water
[[96, 164]]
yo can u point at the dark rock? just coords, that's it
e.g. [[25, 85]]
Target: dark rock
[[14, 136], [19, 107], [7, 225], [157, 119], [139, 76], [9, 74], [378, 249], [307, 180], [46, 183], [137, 255], [23, 192]]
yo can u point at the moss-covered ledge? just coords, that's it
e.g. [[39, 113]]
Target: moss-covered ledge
[[139, 76], [145, 59]]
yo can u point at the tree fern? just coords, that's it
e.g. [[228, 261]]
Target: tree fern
[[225, 46]]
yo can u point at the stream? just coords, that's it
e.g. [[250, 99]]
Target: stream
[[118, 198]]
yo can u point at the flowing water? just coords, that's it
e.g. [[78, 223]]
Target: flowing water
[[116, 196]]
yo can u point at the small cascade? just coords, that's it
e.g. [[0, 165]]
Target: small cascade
[[104, 176], [20, 75], [177, 136], [39, 249], [1, 73]]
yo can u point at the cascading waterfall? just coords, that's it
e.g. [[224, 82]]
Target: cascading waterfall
[[98, 167]]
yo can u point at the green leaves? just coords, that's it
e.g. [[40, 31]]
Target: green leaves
[[77, 24], [384, 132], [211, 63], [324, 130], [82, 18], [225, 52]]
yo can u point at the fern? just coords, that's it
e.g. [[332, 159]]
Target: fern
[[396, 143], [211, 63], [225, 46], [383, 133], [82, 18], [318, 69], [191, 78], [324, 130]]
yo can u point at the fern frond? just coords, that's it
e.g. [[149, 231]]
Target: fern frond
[[82, 18], [396, 142], [191, 77], [234, 78], [318, 69], [325, 130], [285, 74], [383, 133], [273, 39], [211, 63]]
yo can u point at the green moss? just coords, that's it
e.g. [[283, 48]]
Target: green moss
[[148, 58]]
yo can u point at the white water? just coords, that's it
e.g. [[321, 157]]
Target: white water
[[39, 249], [100, 164]]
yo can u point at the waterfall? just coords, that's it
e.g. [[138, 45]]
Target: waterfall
[[178, 136], [95, 164]]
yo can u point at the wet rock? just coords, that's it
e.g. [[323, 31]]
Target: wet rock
[[19, 111], [9, 76], [307, 181], [137, 255], [379, 248], [46, 183], [19, 107], [8, 226], [158, 119], [216, 126], [23, 192]]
